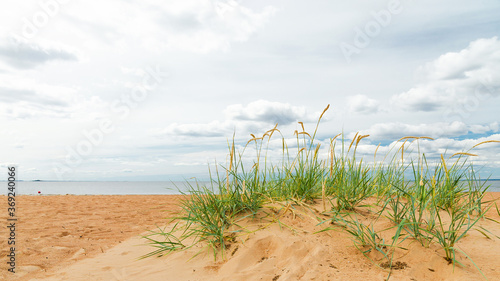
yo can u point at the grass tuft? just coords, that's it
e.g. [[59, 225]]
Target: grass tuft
[[428, 199]]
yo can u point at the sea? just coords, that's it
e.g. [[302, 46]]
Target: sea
[[101, 187], [122, 187]]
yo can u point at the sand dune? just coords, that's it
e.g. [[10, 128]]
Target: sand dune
[[265, 251]]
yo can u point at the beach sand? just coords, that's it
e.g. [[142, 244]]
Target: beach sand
[[98, 238], [53, 232]]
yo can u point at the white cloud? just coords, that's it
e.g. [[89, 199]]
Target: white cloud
[[487, 154], [495, 126], [481, 129], [212, 129], [393, 131], [29, 102], [26, 98], [213, 25], [489, 151], [456, 79], [189, 25], [396, 130], [362, 104], [481, 55]]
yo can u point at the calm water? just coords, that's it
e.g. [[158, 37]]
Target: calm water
[[98, 188], [495, 185], [118, 188]]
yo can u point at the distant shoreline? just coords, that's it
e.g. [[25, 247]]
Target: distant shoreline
[[149, 181], [129, 188]]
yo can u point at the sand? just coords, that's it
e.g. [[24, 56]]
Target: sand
[[98, 238], [55, 231]]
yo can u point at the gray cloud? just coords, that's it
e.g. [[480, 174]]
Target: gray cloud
[[425, 106], [256, 117], [13, 96], [267, 112], [24, 56], [182, 22]]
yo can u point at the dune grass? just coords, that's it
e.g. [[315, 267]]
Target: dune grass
[[413, 192]]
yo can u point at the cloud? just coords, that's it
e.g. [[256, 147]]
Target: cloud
[[25, 98], [267, 112], [255, 117], [456, 79], [8, 95], [361, 104], [397, 130], [213, 129], [425, 98], [189, 25], [487, 154], [24, 103], [394, 131], [23, 55], [495, 126], [210, 26], [480, 54], [481, 129]]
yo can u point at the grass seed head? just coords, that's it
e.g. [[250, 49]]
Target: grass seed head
[[484, 142]]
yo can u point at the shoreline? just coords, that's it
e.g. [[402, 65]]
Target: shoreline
[[179, 194]]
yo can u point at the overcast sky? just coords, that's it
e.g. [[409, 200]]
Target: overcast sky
[[133, 90]]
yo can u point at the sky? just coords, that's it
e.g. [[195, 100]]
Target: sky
[[155, 90]]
